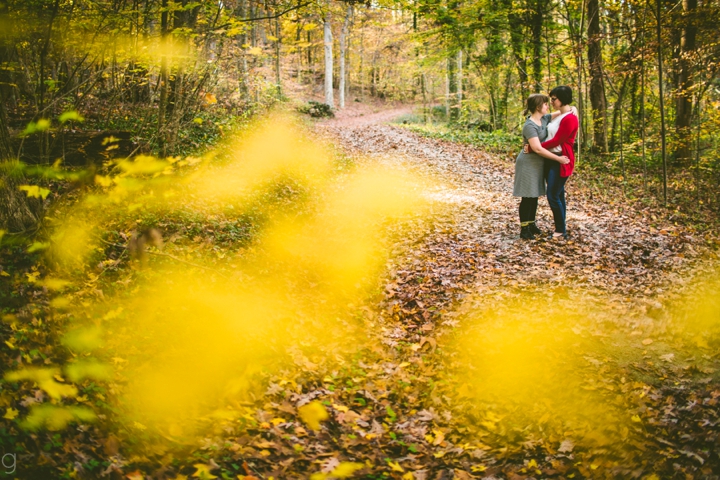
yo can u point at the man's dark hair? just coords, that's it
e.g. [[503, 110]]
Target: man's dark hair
[[562, 93]]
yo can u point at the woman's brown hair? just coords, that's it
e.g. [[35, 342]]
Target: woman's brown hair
[[534, 102]]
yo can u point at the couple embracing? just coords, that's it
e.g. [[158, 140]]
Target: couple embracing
[[547, 158]]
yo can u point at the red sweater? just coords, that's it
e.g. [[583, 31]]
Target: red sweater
[[565, 137]]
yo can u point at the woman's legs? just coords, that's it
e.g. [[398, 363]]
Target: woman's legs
[[528, 210], [556, 196]]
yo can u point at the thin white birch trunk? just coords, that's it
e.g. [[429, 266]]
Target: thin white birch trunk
[[343, 49], [328, 41]]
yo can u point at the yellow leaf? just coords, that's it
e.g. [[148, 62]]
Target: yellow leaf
[[636, 418], [60, 302], [55, 283], [340, 408], [70, 116], [254, 51], [346, 469], [88, 369], [439, 437], [36, 246], [532, 463], [35, 191], [211, 99], [312, 414], [44, 378], [203, 471], [10, 414], [55, 418], [142, 165], [103, 181], [395, 467]]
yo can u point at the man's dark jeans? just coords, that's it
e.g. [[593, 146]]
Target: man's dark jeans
[[556, 194]]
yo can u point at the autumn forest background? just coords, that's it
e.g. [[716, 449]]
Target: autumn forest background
[[276, 239]]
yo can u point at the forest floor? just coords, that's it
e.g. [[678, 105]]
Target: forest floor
[[475, 355], [593, 357]]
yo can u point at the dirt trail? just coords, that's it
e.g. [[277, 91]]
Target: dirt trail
[[610, 247], [359, 115]]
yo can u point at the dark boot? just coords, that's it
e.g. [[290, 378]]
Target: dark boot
[[534, 229], [526, 233]]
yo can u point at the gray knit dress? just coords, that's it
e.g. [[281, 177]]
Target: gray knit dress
[[529, 175]]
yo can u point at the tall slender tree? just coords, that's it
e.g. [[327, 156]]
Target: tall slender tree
[[684, 82], [597, 80], [328, 49]]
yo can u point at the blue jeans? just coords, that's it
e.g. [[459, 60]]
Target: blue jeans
[[556, 194]]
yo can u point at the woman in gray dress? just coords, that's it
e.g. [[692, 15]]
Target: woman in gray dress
[[529, 167]]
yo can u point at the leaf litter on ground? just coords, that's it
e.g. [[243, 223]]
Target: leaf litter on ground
[[481, 355]]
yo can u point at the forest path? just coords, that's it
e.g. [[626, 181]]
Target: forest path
[[611, 247], [619, 287], [359, 114]]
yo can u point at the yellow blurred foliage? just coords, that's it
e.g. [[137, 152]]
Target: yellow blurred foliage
[[313, 413], [55, 418], [73, 242], [45, 379], [272, 152], [88, 369], [190, 341]]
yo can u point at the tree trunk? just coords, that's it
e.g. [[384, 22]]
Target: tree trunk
[[642, 96], [18, 213], [244, 80], [164, 81], [452, 89], [278, 78], [328, 42], [663, 145], [536, 26], [597, 85], [684, 83], [517, 42], [343, 53], [459, 80]]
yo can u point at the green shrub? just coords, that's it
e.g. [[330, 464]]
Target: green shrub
[[317, 109]]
